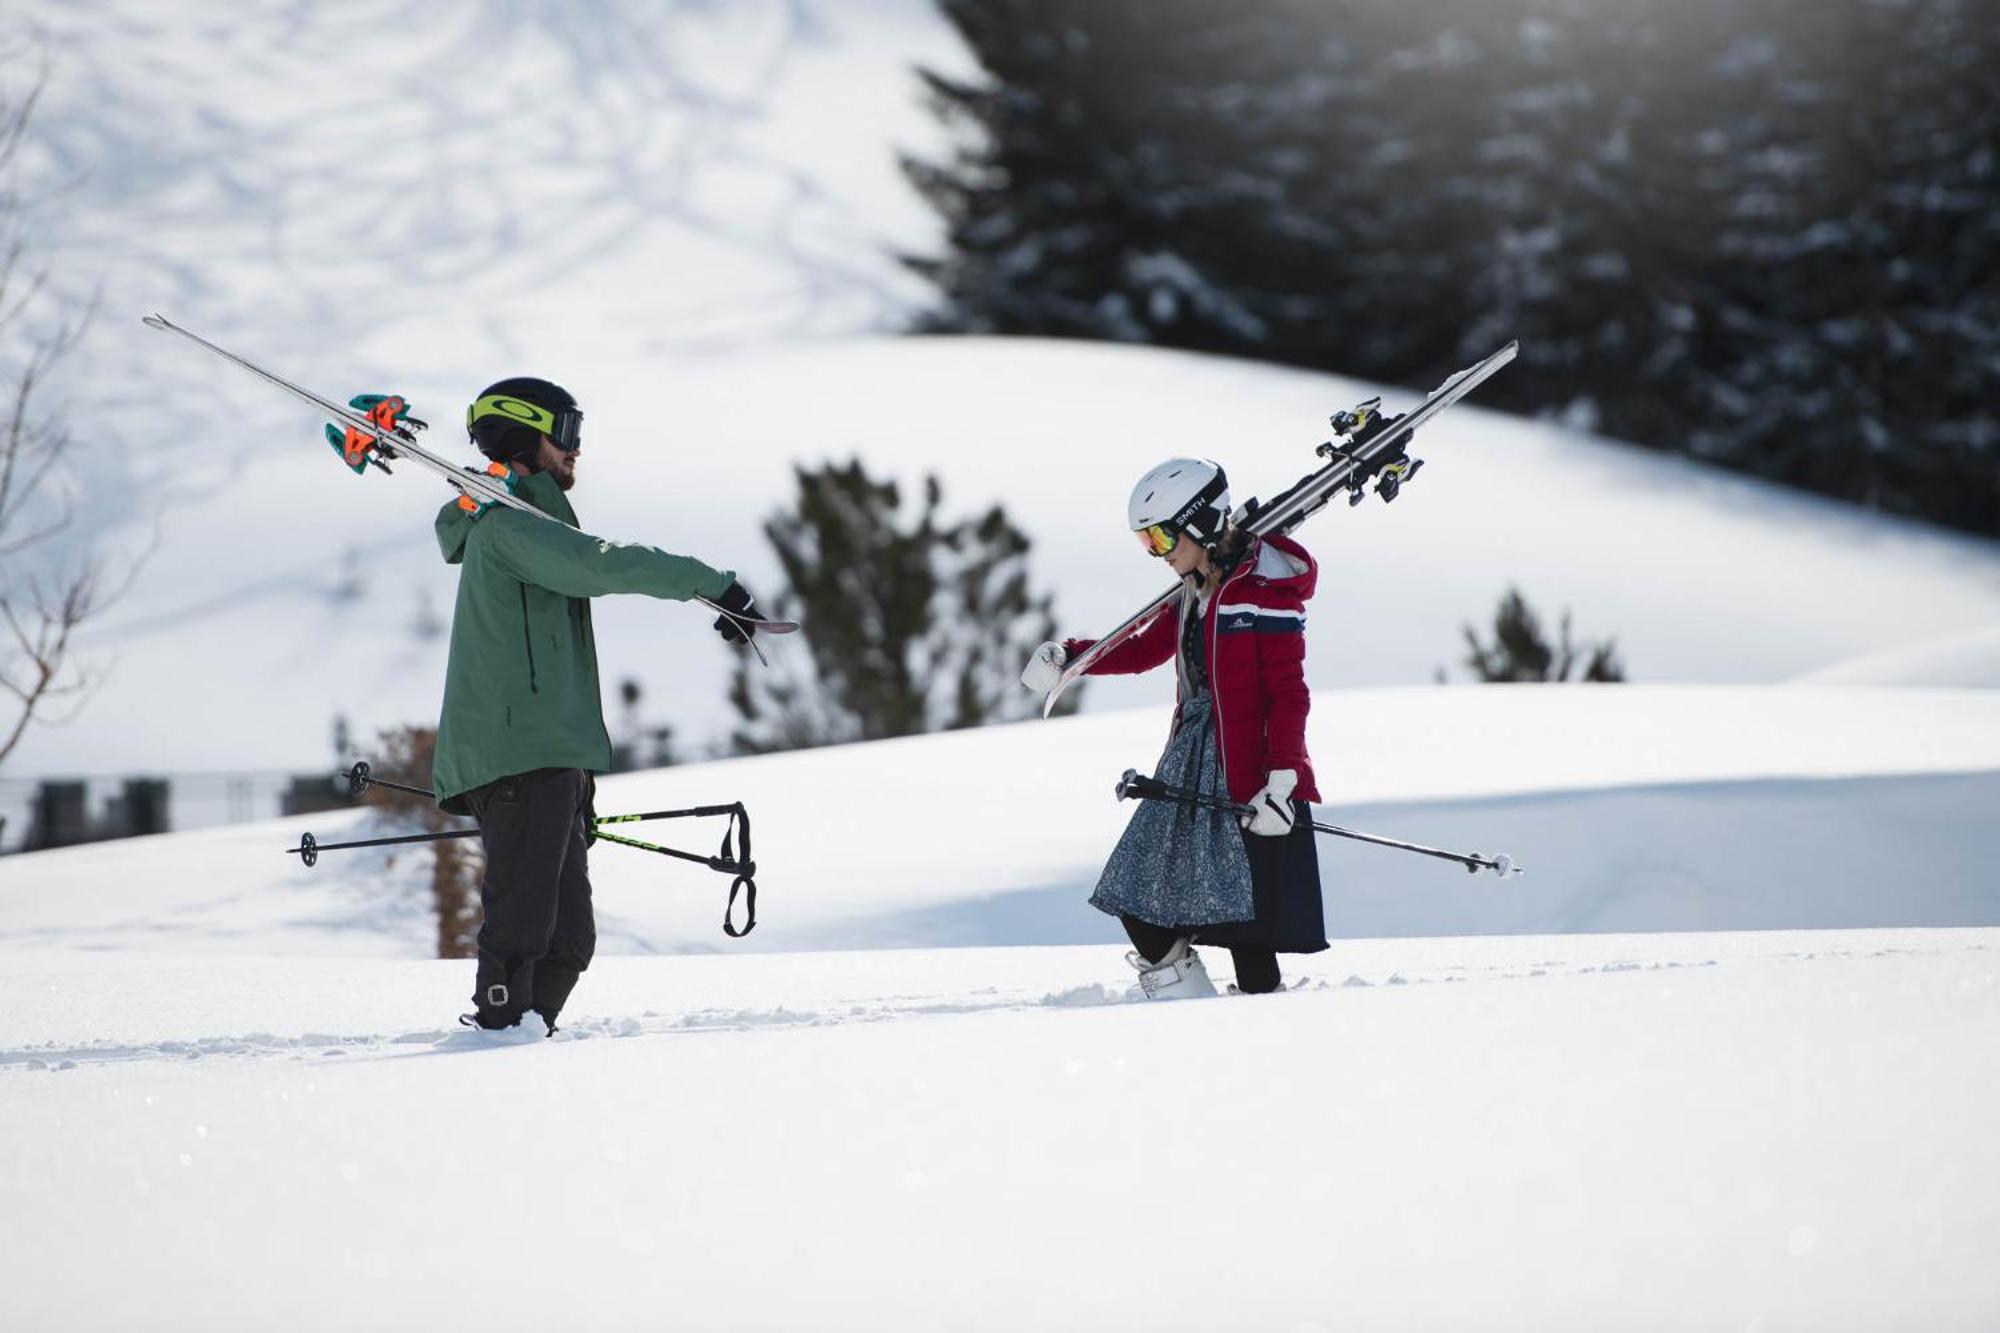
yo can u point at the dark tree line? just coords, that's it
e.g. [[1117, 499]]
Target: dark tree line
[[1763, 232]]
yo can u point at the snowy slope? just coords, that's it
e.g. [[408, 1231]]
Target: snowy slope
[[425, 194], [686, 214], [1632, 807], [1956, 661], [1702, 577], [1663, 1132]]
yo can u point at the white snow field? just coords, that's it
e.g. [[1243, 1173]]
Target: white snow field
[[1760, 1131], [1956, 661], [1726, 1057], [234, 1082], [1632, 807]]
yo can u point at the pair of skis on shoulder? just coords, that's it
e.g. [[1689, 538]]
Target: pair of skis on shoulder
[[399, 443], [1371, 447]]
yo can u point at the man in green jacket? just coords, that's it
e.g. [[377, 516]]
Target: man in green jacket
[[522, 730]]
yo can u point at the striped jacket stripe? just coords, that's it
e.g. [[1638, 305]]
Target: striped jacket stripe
[[1258, 620]]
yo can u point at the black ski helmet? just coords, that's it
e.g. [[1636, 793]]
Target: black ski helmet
[[508, 419]]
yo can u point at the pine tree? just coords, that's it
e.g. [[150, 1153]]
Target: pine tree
[[1520, 653], [1757, 231], [911, 623]]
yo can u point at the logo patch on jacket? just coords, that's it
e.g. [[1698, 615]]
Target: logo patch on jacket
[[1244, 619]]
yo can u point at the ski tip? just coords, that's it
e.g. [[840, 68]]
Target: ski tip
[[155, 321]]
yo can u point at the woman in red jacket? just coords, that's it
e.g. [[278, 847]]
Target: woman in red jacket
[[1183, 875]]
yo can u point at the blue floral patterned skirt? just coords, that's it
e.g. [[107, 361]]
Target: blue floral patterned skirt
[[1181, 865]]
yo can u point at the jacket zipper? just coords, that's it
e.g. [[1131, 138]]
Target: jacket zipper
[[1215, 695], [528, 639]]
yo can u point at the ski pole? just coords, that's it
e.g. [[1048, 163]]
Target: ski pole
[[744, 870], [1136, 786], [310, 847], [699, 811], [360, 778]]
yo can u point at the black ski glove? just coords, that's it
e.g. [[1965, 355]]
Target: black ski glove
[[736, 598]]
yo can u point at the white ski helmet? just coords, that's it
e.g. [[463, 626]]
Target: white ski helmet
[[1188, 495]]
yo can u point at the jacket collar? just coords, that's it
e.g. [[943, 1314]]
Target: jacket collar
[[1285, 565]]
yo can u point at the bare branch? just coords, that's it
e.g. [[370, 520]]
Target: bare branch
[[44, 609]]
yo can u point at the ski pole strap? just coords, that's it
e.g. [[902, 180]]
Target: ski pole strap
[[740, 813], [749, 885], [728, 861]]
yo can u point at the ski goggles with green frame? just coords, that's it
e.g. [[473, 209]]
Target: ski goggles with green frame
[[564, 428]]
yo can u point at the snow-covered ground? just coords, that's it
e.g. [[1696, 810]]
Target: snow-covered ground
[[208, 1052], [1632, 808], [1723, 1058], [1662, 1132], [1955, 661]]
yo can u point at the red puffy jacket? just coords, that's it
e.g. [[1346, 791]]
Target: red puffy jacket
[[1256, 646]]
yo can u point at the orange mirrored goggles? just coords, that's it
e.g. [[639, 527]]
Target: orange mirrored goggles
[[1159, 539]]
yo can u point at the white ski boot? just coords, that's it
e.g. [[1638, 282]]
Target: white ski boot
[[1178, 976]]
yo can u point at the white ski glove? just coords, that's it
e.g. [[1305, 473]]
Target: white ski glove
[[1271, 814], [1044, 670]]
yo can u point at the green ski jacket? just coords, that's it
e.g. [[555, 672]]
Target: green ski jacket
[[520, 690]]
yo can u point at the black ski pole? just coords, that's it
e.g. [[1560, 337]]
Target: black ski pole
[[744, 871], [1136, 786], [310, 847], [698, 812], [744, 868], [360, 778]]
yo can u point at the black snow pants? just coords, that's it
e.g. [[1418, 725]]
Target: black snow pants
[[539, 932]]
